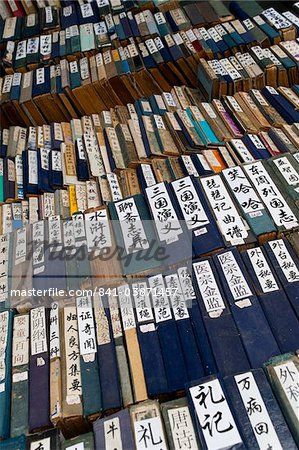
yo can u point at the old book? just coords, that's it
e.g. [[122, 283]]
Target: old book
[[203, 343], [121, 355], [106, 356], [154, 370], [120, 422], [219, 323], [72, 404], [246, 309], [201, 405], [285, 172], [171, 233], [90, 376], [242, 388], [286, 267], [236, 234], [282, 372], [172, 352], [186, 334], [273, 299], [132, 345], [39, 371], [6, 318], [129, 248], [55, 364]]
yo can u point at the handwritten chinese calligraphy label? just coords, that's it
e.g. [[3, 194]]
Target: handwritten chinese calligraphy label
[[149, 434], [208, 287], [244, 192], [54, 331], [126, 308], [20, 250], [257, 412], [214, 415], [234, 276], [160, 300], [142, 302], [72, 356], [166, 220], [285, 261], [131, 226], [182, 430], [20, 344], [112, 434], [262, 270], [271, 196], [86, 328], [102, 324], [191, 206], [177, 298], [227, 216], [186, 283], [38, 334], [287, 170], [97, 230]]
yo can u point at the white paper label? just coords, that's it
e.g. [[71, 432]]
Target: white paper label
[[112, 433], [181, 427], [176, 296], [234, 276], [287, 170], [142, 302], [160, 300], [38, 334], [126, 307], [191, 206], [97, 230], [288, 377], [54, 331], [166, 220], [20, 347], [44, 444], [243, 190], [262, 270], [271, 196], [131, 225], [285, 261], [215, 418], [208, 287], [228, 218]]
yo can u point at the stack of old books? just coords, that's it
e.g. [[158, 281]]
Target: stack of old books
[[149, 218]]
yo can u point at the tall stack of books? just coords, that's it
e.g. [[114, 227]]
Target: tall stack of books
[[149, 225]]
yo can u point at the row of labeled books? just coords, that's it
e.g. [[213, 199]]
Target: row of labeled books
[[82, 38], [64, 91], [146, 339], [253, 409], [164, 125], [121, 23]]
